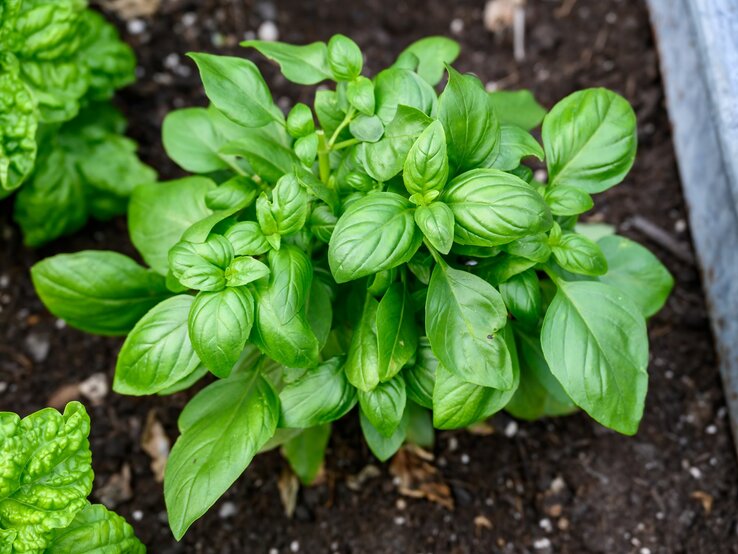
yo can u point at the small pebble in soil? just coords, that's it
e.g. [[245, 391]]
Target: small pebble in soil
[[294, 546], [273, 551], [268, 31], [335, 546], [137, 515], [4, 281], [60, 324], [38, 346], [465, 459], [400, 504], [189, 19], [542, 544], [457, 26], [680, 225], [136, 26], [3, 386], [645, 550], [95, 388], [546, 525], [711, 429], [399, 520], [511, 429], [228, 509], [695, 472]]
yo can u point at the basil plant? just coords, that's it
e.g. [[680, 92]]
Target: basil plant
[[46, 469], [60, 63], [385, 248]]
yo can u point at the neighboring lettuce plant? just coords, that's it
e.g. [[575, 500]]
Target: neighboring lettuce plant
[[45, 478], [396, 255], [59, 64]]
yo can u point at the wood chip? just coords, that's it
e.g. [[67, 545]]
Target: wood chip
[[155, 442], [704, 499], [130, 9], [482, 522], [62, 396], [288, 486], [355, 482], [116, 489], [416, 478]]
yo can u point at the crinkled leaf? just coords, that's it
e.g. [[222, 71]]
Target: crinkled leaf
[[18, 123]]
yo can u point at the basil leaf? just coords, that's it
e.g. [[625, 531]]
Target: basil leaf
[[306, 149], [323, 394], [269, 159], [320, 310], [399, 87], [375, 233], [362, 361], [222, 428], [330, 115], [578, 254], [96, 529], [563, 200], [304, 65], [531, 247], [360, 94], [244, 270], [18, 124], [420, 377], [47, 474], [344, 58], [431, 54], [306, 451], [492, 207], [367, 128], [282, 331], [517, 108], [237, 89], [247, 239], [193, 138], [635, 271], [515, 144], [397, 336], [160, 213], [522, 296], [322, 223], [472, 129], [237, 192], [463, 318], [436, 221], [539, 393], [157, 353], [219, 325], [300, 121], [289, 205], [595, 342], [384, 405], [384, 447], [426, 165], [590, 140], [384, 159], [201, 266], [106, 301]]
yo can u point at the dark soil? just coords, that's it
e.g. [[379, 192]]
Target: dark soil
[[563, 485]]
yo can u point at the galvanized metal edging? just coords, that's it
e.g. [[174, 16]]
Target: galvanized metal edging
[[698, 49]]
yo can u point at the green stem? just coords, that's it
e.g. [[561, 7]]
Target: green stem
[[233, 165], [346, 120], [324, 162], [345, 144]]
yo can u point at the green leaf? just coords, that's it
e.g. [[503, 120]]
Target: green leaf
[[108, 300], [420, 427], [320, 310], [384, 405], [590, 140], [635, 271], [222, 428], [397, 336], [436, 221], [46, 474], [323, 394], [281, 328], [426, 165], [300, 121], [539, 393], [384, 159], [595, 342], [306, 451], [432, 54], [247, 239], [360, 94], [522, 296], [532, 247], [267, 156], [472, 128], [330, 115], [18, 124], [563, 200], [160, 213], [420, 377], [235, 194], [289, 205], [502, 267], [578, 254], [244, 270], [193, 138], [464, 316], [304, 65], [219, 326], [96, 530], [362, 361], [344, 58], [237, 89], [306, 149], [492, 207], [517, 108], [157, 353], [201, 266], [384, 447], [399, 87], [515, 144], [375, 233], [367, 128]]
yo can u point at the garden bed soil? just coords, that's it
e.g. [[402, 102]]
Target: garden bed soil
[[564, 485]]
